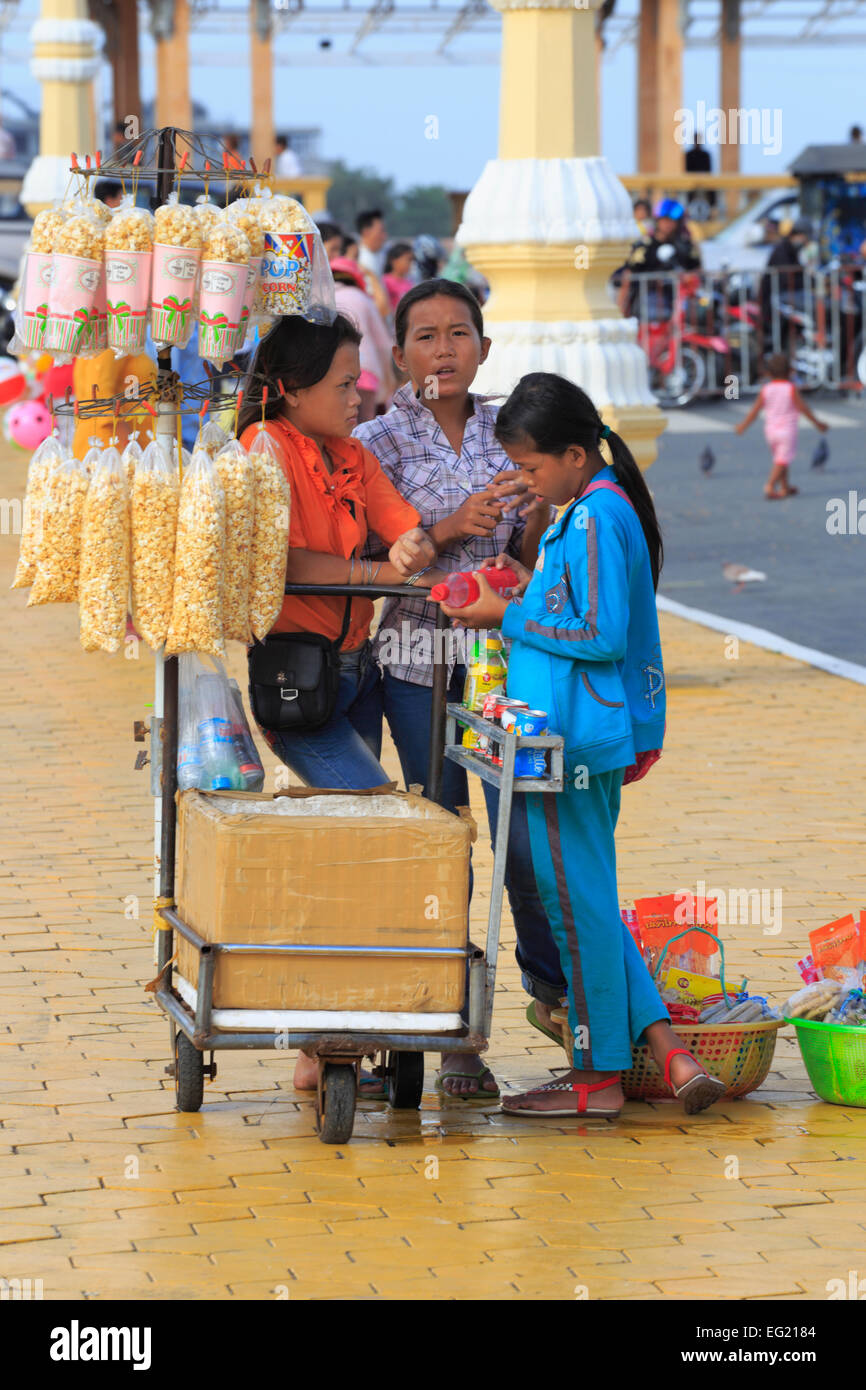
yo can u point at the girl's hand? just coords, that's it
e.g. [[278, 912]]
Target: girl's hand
[[640, 768], [822, 426], [486, 611], [524, 575], [412, 551]]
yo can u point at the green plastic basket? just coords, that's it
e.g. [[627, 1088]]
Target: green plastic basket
[[835, 1058]]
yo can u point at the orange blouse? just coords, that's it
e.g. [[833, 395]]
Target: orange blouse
[[322, 519]]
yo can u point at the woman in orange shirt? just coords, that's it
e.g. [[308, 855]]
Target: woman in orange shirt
[[339, 493]]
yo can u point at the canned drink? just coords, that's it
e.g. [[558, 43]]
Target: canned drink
[[510, 712], [470, 737], [531, 721], [530, 762], [491, 704]]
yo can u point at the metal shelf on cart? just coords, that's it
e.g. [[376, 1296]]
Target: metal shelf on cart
[[490, 772]]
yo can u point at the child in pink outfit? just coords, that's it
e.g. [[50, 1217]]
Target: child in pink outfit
[[782, 405]]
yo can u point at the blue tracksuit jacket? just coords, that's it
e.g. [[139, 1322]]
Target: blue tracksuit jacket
[[585, 636]]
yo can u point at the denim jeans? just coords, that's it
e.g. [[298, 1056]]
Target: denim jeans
[[407, 709], [344, 752]]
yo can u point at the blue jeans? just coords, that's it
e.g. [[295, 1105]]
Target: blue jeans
[[345, 752], [407, 709]]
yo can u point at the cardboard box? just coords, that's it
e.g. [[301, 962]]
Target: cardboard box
[[382, 869]]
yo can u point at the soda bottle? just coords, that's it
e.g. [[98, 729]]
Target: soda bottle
[[251, 770], [461, 589], [218, 757], [486, 674]]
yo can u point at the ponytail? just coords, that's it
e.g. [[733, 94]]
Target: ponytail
[[551, 413]]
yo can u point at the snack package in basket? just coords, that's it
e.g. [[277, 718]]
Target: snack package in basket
[[76, 274], [129, 240], [103, 589], [31, 310], [197, 608], [235, 473], [663, 918], [155, 504], [59, 562], [838, 946], [224, 270], [176, 257], [46, 457], [296, 276], [273, 500]]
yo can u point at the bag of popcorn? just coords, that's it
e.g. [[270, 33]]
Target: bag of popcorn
[[47, 456], [224, 272], [130, 457], [103, 588], [211, 437], [245, 214], [176, 256], [76, 274], [270, 546], [296, 277], [31, 311], [235, 473], [155, 501], [93, 457], [59, 562], [128, 263], [196, 616]]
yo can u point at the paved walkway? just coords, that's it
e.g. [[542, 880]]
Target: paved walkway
[[106, 1192]]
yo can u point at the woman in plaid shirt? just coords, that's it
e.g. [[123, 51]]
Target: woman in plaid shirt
[[437, 446]]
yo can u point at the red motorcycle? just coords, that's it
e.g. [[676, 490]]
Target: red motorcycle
[[677, 345]]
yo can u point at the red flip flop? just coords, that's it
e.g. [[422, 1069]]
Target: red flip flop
[[700, 1091], [582, 1088]]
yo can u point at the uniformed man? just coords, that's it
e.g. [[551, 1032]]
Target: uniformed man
[[666, 249]]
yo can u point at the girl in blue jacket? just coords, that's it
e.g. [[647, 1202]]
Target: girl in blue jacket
[[585, 648]]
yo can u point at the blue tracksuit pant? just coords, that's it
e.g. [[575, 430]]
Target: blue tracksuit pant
[[611, 995]]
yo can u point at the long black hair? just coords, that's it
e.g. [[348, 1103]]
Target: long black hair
[[296, 353], [548, 413], [429, 289]]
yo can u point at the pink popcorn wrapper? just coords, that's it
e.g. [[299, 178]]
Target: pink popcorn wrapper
[[97, 337], [71, 303], [254, 271], [35, 285], [172, 294], [222, 295], [128, 286]]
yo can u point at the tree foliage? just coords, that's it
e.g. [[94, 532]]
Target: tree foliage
[[423, 208]]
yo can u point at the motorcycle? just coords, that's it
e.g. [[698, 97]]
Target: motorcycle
[[679, 345]]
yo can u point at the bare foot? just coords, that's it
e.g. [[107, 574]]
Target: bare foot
[[306, 1078], [543, 1098], [470, 1066]]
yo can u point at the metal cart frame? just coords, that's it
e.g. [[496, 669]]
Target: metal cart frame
[[339, 1053]]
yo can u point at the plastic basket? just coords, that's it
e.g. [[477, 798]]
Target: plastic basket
[[835, 1058], [740, 1055]]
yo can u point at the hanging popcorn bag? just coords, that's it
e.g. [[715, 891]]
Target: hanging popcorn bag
[[128, 265], [176, 258], [224, 270], [76, 274]]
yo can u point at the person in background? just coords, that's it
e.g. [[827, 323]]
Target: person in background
[[429, 256], [398, 263], [350, 247], [784, 279], [376, 382], [782, 405], [332, 239], [666, 249], [855, 135], [287, 165], [372, 236], [642, 213], [8, 149], [698, 160], [109, 192], [233, 146]]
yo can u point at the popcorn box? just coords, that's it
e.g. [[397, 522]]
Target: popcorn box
[[34, 298], [254, 270], [71, 303], [287, 272], [97, 335], [175, 269], [127, 274], [223, 291]]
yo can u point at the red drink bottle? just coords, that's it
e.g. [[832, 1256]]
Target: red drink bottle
[[461, 589]]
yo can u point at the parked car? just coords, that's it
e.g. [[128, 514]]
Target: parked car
[[742, 245]]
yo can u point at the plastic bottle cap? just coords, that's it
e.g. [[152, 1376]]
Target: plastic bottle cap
[[438, 592], [221, 784]]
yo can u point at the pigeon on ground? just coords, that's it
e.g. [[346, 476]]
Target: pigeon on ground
[[742, 574], [821, 454], [708, 460]]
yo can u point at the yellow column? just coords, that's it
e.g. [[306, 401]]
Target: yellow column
[[65, 59], [262, 83], [669, 95], [548, 222], [173, 102]]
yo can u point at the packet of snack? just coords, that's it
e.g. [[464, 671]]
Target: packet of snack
[[665, 917], [31, 311], [196, 615], [46, 457], [155, 502], [59, 562], [273, 500], [224, 270], [838, 946], [103, 589], [235, 473], [129, 241], [76, 274], [296, 277], [176, 257], [245, 214], [211, 437]]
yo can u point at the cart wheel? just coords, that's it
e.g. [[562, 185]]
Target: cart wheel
[[335, 1118], [405, 1079], [188, 1074]]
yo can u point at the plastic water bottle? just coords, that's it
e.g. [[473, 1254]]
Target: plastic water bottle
[[461, 589], [188, 766], [219, 760]]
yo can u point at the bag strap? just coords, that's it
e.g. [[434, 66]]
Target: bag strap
[[611, 487]]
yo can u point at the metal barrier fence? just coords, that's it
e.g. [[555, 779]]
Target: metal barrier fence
[[713, 334]]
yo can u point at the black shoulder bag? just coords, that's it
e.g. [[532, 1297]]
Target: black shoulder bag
[[294, 678]]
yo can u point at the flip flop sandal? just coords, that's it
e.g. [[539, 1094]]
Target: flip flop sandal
[[532, 1017], [700, 1091], [479, 1097], [582, 1088], [372, 1087]]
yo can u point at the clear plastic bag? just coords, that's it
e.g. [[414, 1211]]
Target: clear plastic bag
[[270, 543], [296, 275], [59, 563], [130, 458], [155, 503], [235, 473], [129, 239], [46, 457], [196, 616], [215, 749], [176, 259], [93, 456], [75, 323], [211, 437], [105, 543]]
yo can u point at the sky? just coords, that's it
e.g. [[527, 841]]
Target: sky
[[378, 116]]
